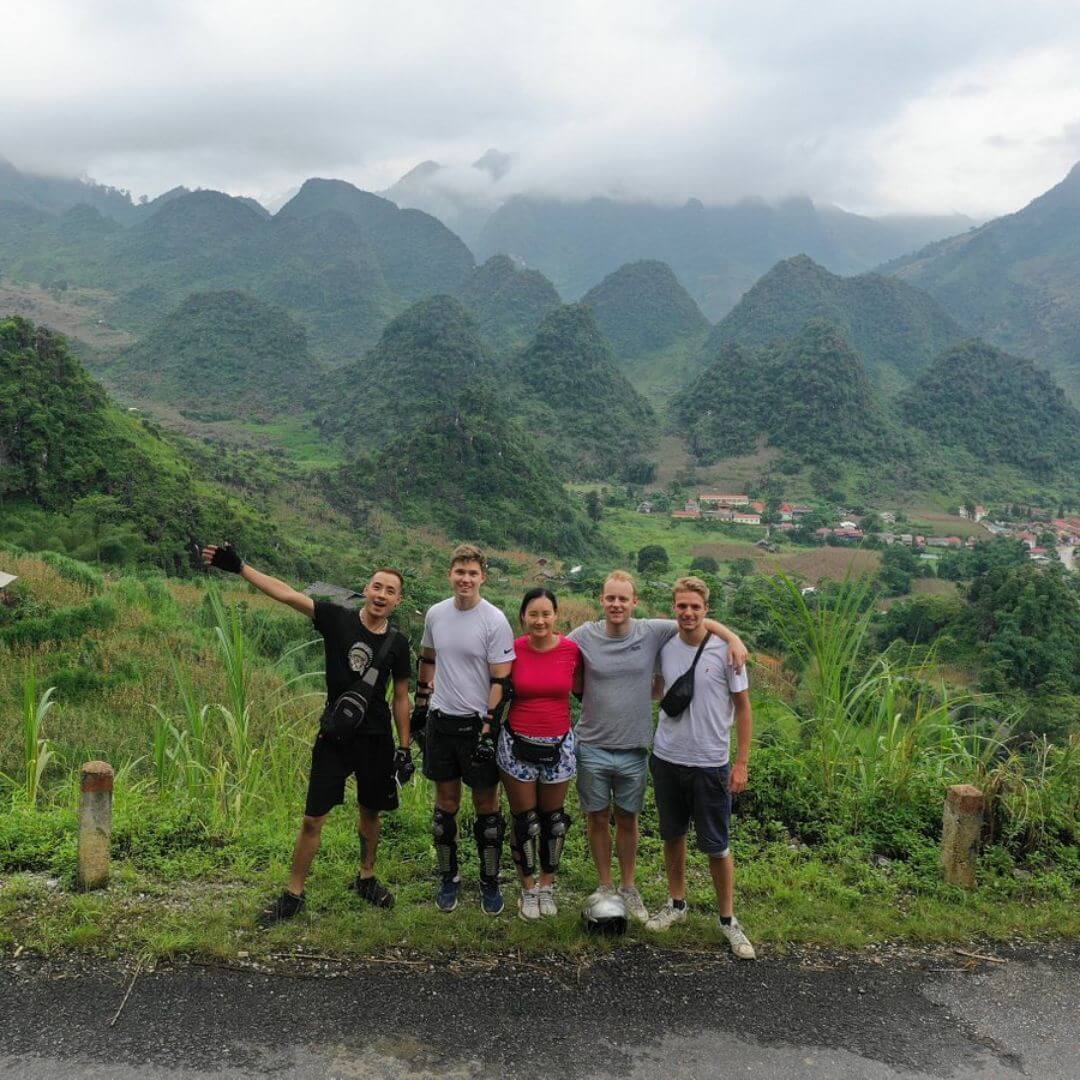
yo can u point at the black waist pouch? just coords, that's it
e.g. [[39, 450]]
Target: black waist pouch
[[534, 751]]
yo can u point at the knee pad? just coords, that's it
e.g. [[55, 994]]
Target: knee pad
[[554, 825], [526, 836], [444, 831], [489, 831]]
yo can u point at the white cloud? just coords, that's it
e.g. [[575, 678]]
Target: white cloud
[[872, 105]]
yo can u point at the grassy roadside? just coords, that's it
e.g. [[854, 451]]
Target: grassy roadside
[[183, 887]]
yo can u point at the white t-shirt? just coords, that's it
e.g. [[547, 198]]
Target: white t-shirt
[[701, 734], [465, 643]]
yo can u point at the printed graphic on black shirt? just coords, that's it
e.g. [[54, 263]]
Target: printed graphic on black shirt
[[350, 647]]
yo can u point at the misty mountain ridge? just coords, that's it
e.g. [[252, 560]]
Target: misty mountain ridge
[[1015, 280], [507, 301]]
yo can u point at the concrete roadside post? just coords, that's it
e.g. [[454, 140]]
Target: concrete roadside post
[[95, 825], [961, 827]]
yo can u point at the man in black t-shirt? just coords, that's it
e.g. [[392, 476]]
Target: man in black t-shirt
[[352, 641]]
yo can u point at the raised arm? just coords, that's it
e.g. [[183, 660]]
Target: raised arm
[[226, 558], [737, 651]]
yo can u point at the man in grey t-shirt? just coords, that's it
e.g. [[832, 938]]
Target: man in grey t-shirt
[[465, 658], [615, 728], [692, 775]]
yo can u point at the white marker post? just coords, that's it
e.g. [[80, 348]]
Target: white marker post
[[95, 825]]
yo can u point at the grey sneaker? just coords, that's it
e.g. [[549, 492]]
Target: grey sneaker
[[635, 906], [739, 942], [529, 905], [546, 896], [667, 917]]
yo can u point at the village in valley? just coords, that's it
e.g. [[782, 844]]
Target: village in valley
[[1048, 537]]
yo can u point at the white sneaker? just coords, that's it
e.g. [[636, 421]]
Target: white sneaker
[[667, 917], [529, 905], [635, 906], [546, 896], [739, 942]]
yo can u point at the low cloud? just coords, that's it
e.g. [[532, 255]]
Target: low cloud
[[917, 106]]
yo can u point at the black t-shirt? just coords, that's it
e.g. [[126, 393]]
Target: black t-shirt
[[350, 648]]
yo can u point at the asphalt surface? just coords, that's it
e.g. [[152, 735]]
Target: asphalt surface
[[634, 1012]]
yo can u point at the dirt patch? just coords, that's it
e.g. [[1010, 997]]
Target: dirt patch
[[75, 313], [812, 564]]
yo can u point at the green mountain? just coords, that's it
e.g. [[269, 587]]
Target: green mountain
[[221, 355], [419, 255], [422, 356], [717, 252], [507, 301], [1015, 281], [999, 408], [54, 194], [572, 392], [896, 329], [641, 308], [810, 396], [65, 447], [478, 475]]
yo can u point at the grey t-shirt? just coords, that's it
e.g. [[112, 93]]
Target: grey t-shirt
[[701, 734], [616, 709], [465, 643]]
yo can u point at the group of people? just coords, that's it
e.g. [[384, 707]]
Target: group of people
[[490, 708]]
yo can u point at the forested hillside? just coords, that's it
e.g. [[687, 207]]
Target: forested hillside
[[473, 472], [507, 301], [221, 356], [66, 449], [999, 408], [896, 329], [1015, 281], [642, 308], [810, 396], [578, 401]]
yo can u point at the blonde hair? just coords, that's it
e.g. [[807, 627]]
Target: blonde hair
[[622, 575], [691, 584], [468, 553]]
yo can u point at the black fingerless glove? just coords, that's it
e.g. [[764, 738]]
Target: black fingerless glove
[[403, 765], [484, 751], [227, 558]]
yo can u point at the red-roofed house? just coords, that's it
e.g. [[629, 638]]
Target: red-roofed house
[[746, 519], [722, 499]]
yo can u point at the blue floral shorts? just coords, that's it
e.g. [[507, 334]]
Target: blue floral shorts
[[563, 769]]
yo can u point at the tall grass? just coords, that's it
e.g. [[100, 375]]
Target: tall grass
[[37, 750]]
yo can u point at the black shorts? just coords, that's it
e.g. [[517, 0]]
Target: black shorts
[[686, 791], [448, 753], [370, 758]]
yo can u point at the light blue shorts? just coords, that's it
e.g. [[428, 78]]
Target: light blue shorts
[[562, 770], [604, 775]]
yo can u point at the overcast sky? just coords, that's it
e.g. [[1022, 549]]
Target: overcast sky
[[968, 105]]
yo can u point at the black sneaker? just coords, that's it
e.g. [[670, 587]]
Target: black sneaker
[[286, 906], [373, 891]]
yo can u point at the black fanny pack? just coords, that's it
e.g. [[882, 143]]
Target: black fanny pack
[[681, 692], [447, 724], [534, 751], [344, 716]]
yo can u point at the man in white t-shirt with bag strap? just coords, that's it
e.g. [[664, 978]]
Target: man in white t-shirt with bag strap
[[693, 776]]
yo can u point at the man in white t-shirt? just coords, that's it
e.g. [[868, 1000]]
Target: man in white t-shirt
[[693, 777], [466, 654]]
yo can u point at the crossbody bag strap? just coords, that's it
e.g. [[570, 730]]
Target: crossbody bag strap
[[700, 649]]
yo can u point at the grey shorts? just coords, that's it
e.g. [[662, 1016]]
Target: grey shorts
[[606, 775], [685, 792]]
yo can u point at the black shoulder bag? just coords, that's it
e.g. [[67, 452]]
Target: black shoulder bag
[[681, 692], [341, 719]]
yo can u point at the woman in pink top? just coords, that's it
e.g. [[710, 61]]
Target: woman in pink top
[[536, 749]]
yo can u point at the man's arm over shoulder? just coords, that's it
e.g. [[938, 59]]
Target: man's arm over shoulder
[[737, 651]]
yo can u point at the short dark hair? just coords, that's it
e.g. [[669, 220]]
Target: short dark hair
[[390, 570], [536, 594]]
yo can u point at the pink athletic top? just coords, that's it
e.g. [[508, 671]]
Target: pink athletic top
[[542, 685]]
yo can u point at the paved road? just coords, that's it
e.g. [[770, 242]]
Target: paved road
[[635, 1012]]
